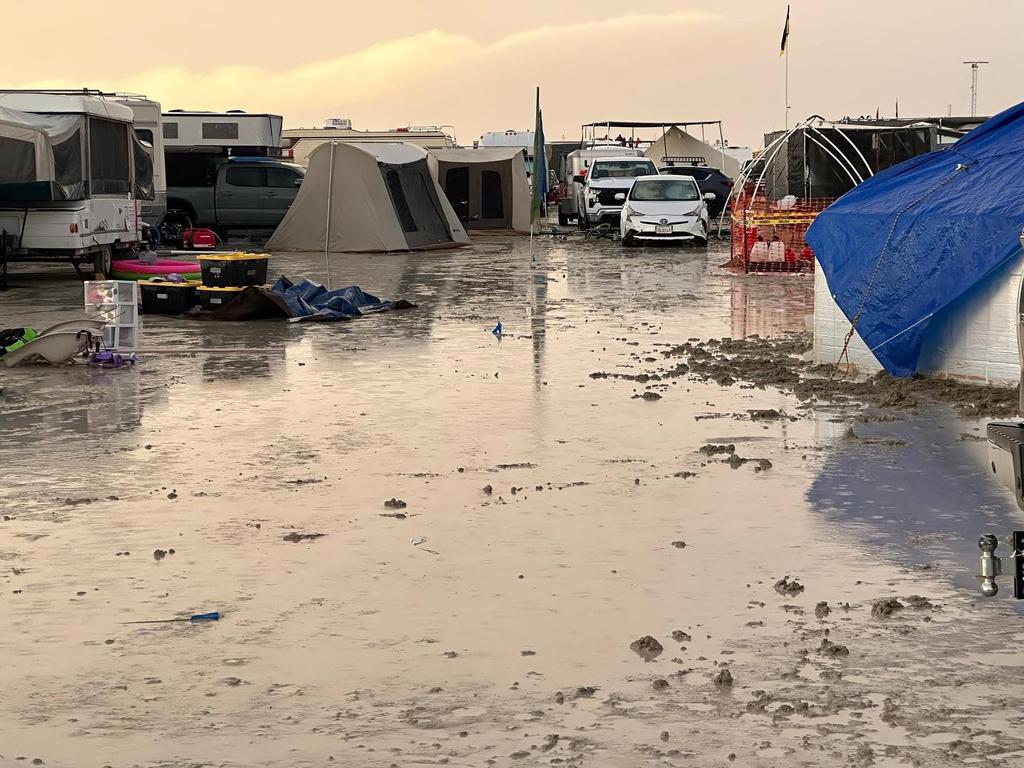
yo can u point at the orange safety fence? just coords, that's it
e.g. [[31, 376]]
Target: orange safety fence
[[769, 235]]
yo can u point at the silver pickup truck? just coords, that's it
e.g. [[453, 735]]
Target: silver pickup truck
[[225, 194]]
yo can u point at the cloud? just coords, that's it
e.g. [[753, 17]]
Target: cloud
[[434, 70]]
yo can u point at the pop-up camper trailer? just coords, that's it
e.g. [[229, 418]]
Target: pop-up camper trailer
[[72, 173], [368, 198]]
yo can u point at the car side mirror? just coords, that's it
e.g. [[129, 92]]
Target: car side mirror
[[620, 197], [579, 179], [710, 196], [298, 182]]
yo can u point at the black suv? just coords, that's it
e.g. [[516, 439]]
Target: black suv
[[708, 180]]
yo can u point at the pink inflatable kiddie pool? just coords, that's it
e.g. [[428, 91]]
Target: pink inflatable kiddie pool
[[133, 269]]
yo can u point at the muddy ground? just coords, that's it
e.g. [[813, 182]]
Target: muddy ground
[[616, 536]]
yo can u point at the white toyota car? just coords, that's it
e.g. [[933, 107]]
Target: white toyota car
[[668, 209]]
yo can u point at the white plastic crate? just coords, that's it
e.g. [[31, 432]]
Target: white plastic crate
[[117, 302]]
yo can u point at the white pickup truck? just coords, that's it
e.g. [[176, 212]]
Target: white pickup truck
[[602, 192]]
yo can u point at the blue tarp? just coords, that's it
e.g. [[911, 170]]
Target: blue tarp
[[954, 215], [311, 301]]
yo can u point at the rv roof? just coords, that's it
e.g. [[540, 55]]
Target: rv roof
[[66, 104], [202, 113]]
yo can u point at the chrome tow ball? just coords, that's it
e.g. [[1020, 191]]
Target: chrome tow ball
[[992, 564]]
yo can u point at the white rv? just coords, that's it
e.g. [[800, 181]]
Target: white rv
[[299, 143], [72, 173], [149, 130], [238, 132]]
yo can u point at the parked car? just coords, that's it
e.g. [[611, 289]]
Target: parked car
[[577, 163], [708, 180], [665, 208], [603, 190], [224, 194]]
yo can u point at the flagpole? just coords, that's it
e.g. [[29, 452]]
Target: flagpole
[[787, 86]]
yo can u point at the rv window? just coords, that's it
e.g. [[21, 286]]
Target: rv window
[[220, 130], [17, 160], [110, 168], [145, 135], [243, 177], [282, 177], [394, 180], [170, 130]]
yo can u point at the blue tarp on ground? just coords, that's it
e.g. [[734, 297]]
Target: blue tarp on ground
[[955, 215], [311, 301]]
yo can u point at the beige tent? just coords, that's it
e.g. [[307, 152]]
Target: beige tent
[[487, 187], [677, 143], [367, 198]]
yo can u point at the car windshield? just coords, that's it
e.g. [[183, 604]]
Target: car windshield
[[622, 169], [676, 191]]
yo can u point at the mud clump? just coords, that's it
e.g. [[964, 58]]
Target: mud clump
[[647, 648], [779, 362], [766, 415], [712, 449], [883, 609], [296, 537], [681, 637], [488, 490], [828, 648], [650, 396], [660, 684], [395, 504], [679, 544], [723, 678], [789, 587], [918, 602], [821, 610]]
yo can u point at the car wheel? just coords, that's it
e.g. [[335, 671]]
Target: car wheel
[[102, 261], [701, 242]]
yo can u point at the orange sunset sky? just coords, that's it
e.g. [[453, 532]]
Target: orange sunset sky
[[473, 65]]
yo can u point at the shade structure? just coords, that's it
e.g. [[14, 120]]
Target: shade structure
[[368, 198]]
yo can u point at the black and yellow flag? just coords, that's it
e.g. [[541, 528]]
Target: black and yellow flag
[[785, 33]]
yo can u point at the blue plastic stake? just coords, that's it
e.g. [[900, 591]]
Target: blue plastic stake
[[497, 329]]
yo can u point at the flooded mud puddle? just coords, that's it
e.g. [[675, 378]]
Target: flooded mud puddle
[[432, 546]]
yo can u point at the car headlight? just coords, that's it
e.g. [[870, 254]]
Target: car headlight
[[630, 213]]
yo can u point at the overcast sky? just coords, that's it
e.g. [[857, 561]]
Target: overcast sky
[[473, 63]]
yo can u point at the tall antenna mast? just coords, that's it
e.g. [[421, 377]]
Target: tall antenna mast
[[974, 85]]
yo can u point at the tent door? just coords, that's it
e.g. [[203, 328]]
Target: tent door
[[490, 198], [456, 187]]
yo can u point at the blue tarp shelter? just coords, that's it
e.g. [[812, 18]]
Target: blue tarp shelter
[[913, 239]]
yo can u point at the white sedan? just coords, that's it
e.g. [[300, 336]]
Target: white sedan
[[667, 209]]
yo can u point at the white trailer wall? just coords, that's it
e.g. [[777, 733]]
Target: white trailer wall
[[975, 339]]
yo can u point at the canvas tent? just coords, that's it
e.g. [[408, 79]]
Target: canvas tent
[[909, 246], [41, 156], [368, 198], [487, 187], [677, 143]]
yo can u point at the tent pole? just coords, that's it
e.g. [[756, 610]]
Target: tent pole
[[330, 203]]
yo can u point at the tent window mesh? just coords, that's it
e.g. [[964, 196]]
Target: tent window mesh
[[398, 199], [109, 157], [67, 165], [17, 160]]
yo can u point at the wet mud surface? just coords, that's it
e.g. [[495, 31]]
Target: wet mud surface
[[430, 546]]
